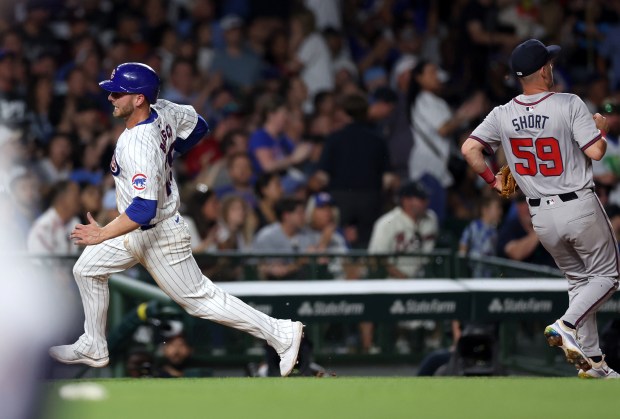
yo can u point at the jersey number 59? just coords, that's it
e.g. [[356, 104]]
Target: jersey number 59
[[546, 149]]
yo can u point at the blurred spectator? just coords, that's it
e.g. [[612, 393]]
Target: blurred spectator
[[208, 151], [216, 174], [240, 68], [322, 219], [517, 239], [272, 151], [353, 166], [240, 172], [201, 217], [176, 353], [91, 171], [374, 78], [236, 225], [480, 237], [433, 125], [50, 232], [410, 227], [277, 53], [25, 199], [480, 35], [13, 105], [58, 164], [40, 100], [91, 200], [400, 140], [310, 56], [607, 170], [289, 235], [182, 83], [268, 189], [382, 104]]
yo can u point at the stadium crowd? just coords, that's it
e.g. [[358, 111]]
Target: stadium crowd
[[334, 124]]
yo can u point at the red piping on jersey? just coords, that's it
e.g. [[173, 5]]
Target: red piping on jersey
[[484, 143], [533, 103], [598, 137]]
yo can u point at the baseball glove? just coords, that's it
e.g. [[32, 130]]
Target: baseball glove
[[509, 185]]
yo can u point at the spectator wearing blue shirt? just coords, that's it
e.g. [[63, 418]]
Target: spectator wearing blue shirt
[[480, 237], [272, 151]]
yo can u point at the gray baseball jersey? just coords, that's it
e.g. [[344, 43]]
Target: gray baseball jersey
[[141, 167], [543, 136]]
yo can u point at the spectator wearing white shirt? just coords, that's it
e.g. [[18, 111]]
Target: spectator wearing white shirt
[[409, 227], [50, 232], [312, 58]]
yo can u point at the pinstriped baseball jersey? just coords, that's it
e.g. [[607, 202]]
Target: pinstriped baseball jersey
[[543, 137], [142, 161]]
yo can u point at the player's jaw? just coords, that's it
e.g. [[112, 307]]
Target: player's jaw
[[123, 104]]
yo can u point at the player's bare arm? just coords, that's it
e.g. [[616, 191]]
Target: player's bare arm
[[597, 150], [92, 233], [472, 151]]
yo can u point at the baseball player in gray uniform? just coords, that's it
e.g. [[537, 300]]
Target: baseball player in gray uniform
[[550, 140], [150, 230]]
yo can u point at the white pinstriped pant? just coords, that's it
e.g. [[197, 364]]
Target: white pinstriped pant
[[165, 252]]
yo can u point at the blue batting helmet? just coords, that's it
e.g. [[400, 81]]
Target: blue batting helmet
[[133, 78]]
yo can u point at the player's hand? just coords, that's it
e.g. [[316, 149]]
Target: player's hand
[[88, 234], [601, 122]]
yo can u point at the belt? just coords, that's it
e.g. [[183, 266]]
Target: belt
[[565, 197], [147, 227]]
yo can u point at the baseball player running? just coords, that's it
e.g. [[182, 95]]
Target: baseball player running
[[550, 140], [150, 230]]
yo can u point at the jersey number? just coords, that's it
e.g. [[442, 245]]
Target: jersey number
[[546, 149], [166, 134]]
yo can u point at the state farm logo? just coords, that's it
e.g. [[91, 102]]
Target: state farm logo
[[139, 182], [520, 305], [331, 308], [433, 306]]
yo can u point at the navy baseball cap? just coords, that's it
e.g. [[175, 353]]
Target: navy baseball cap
[[530, 56], [413, 190], [323, 199]]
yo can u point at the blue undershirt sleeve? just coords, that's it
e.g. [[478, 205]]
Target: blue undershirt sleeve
[[200, 130], [142, 211]]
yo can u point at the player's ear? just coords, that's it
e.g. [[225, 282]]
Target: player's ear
[[139, 99]]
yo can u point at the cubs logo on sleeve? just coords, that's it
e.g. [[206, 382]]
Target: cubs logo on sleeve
[[138, 182]]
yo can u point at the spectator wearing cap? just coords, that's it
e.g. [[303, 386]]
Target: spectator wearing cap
[[607, 170], [25, 199], [374, 78], [322, 218], [355, 168], [409, 227], [311, 58], [238, 67]]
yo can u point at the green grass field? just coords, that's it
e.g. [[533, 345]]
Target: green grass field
[[359, 397]]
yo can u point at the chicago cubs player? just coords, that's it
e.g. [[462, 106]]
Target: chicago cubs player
[[550, 140], [150, 231]]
